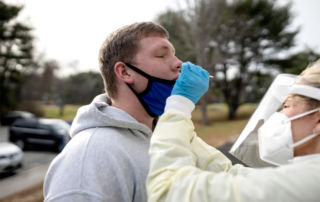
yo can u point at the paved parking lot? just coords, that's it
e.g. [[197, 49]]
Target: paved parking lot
[[3, 134], [35, 165]]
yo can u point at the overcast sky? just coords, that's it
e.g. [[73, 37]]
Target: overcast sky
[[72, 31]]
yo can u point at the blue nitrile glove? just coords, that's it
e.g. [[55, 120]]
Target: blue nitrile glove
[[192, 83]]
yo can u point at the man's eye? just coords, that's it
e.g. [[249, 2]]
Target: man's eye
[[160, 56]]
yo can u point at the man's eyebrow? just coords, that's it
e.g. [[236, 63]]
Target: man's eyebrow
[[166, 48]]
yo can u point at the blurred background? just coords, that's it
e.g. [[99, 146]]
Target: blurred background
[[49, 67]]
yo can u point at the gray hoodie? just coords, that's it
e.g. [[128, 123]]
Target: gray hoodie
[[105, 160]]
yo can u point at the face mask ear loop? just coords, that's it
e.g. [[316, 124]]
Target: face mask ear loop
[[310, 137], [304, 114], [306, 139]]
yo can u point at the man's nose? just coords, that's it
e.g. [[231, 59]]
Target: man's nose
[[178, 64]]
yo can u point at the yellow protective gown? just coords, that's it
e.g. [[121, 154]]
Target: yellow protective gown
[[184, 168]]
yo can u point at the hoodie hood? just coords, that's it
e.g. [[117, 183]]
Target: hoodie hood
[[100, 114]]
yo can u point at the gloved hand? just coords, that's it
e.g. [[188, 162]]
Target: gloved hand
[[192, 83]]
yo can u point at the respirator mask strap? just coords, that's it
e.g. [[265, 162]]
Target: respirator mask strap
[[306, 139], [304, 114], [309, 137]]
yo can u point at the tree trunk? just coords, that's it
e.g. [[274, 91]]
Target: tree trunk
[[61, 110], [203, 105], [232, 110]]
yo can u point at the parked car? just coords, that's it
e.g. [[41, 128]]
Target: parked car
[[16, 115], [28, 133], [10, 157]]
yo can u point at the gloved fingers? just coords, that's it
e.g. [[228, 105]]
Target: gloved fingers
[[193, 72], [192, 83]]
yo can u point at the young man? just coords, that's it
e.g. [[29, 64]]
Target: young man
[[107, 157]]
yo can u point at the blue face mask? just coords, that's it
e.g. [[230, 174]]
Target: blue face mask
[[154, 97]]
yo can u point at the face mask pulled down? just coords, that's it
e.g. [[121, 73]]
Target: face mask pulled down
[[154, 97], [276, 145]]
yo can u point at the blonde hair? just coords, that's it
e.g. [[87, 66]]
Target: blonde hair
[[311, 77]]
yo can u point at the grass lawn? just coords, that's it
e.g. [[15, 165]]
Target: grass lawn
[[221, 130], [53, 111]]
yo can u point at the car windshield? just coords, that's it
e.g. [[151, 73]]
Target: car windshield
[[60, 125], [57, 124]]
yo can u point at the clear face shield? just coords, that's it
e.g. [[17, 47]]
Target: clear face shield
[[266, 140]]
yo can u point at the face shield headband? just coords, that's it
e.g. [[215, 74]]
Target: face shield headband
[[154, 97], [308, 91]]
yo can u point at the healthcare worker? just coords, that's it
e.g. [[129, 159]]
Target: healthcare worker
[[184, 168], [291, 102]]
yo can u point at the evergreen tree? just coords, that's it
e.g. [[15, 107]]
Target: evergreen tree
[[15, 55]]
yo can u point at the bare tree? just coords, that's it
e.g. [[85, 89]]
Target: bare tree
[[192, 31], [234, 40], [204, 17]]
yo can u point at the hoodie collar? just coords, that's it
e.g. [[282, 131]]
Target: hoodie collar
[[100, 114]]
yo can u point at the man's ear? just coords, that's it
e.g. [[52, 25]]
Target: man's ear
[[123, 72]]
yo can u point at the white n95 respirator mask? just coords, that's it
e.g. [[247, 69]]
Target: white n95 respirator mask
[[275, 138]]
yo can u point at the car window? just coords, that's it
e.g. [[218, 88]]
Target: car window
[[25, 124], [60, 125]]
